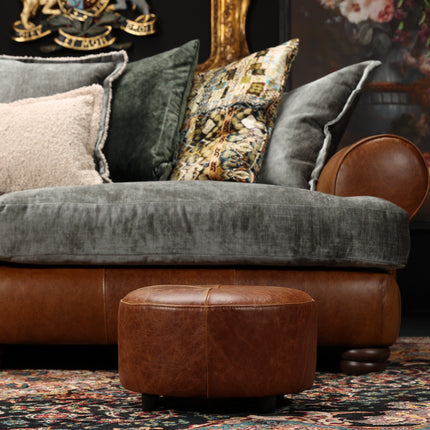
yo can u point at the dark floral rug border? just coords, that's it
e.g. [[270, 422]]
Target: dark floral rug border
[[398, 398]]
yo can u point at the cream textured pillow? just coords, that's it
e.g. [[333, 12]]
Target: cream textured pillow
[[50, 141]]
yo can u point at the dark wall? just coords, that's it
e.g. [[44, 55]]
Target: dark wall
[[177, 23], [414, 279]]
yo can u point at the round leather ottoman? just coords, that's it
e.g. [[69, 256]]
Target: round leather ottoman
[[216, 341]]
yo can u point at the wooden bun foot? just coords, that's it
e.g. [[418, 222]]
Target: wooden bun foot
[[364, 360]]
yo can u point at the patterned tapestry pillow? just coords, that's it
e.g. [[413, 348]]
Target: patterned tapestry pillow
[[230, 116], [50, 141]]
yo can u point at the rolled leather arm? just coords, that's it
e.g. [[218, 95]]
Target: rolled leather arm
[[386, 166]]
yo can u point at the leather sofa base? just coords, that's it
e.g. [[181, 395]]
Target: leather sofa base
[[79, 305]]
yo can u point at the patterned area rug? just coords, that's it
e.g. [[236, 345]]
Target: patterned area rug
[[398, 398]]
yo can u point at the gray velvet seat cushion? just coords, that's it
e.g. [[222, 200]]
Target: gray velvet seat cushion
[[200, 222]]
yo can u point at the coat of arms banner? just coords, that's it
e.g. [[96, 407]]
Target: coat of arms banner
[[83, 25]]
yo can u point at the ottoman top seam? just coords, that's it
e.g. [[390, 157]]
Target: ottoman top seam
[[206, 305]]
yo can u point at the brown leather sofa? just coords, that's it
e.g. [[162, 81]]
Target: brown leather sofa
[[359, 309]]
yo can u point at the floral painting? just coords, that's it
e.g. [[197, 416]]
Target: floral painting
[[386, 24], [336, 33]]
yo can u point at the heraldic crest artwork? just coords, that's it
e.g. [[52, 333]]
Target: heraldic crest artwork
[[83, 25]]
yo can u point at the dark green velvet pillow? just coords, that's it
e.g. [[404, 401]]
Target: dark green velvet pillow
[[148, 107]]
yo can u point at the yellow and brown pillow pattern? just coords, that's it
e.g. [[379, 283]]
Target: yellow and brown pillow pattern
[[230, 116]]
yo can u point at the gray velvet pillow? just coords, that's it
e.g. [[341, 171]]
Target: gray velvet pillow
[[148, 109], [31, 77], [310, 124]]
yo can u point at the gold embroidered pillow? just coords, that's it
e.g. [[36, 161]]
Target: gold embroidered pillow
[[50, 141], [230, 116]]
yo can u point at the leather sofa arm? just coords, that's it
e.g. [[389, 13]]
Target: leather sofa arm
[[386, 166]]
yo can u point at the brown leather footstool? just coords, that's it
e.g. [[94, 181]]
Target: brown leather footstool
[[216, 341]]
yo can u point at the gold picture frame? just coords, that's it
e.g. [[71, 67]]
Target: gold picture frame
[[228, 33]]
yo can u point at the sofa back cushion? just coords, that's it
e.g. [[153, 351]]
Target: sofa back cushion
[[29, 77], [148, 108], [310, 124]]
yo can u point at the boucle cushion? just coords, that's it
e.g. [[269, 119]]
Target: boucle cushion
[[230, 116], [49, 141], [200, 222], [148, 108], [29, 77], [310, 124]]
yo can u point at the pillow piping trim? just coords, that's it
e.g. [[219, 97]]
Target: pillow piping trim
[[321, 159], [90, 58], [102, 164]]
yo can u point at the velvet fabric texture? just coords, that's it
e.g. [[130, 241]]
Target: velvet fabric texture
[[148, 108], [29, 77], [200, 222], [310, 124]]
